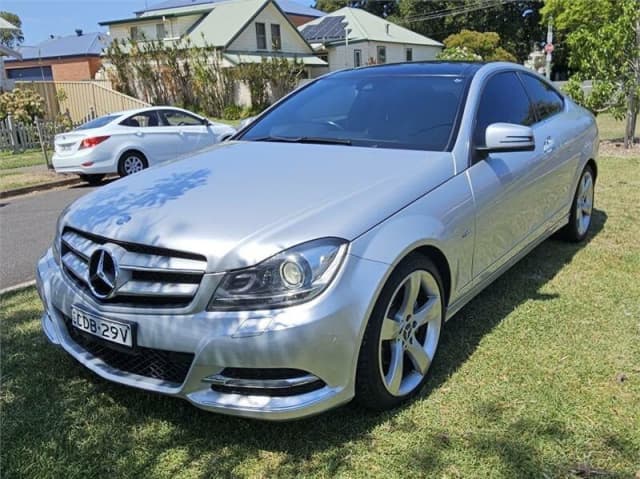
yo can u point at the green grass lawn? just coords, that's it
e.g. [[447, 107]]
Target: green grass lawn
[[10, 160], [610, 128], [537, 377]]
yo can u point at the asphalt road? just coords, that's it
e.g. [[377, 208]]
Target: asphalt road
[[27, 227]]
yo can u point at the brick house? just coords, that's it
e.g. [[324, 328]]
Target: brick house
[[69, 58]]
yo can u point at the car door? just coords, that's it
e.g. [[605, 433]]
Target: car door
[[193, 133], [559, 148], [157, 142], [504, 184]]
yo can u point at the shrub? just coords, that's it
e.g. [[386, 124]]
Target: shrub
[[23, 105]]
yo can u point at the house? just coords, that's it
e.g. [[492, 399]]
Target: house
[[297, 13], [352, 37], [5, 84], [244, 31], [68, 58]]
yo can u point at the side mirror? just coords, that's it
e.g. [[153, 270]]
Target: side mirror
[[507, 137], [245, 122]]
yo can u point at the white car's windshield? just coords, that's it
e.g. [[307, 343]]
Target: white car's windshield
[[374, 110], [98, 122]]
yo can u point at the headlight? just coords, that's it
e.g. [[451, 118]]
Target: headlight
[[290, 277]]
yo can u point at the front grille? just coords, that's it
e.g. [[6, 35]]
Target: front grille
[[170, 366], [156, 277]]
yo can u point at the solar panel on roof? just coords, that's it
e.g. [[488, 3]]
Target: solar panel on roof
[[328, 28]]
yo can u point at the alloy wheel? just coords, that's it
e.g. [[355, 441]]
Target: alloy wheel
[[584, 203], [410, 333], [133, 164]]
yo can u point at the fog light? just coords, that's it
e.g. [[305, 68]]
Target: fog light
[[292, 274]]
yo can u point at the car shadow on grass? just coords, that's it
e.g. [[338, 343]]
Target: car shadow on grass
[[141, 428]]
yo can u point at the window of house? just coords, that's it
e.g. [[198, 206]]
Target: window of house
[[276, 40], [357, 58], [382, 55], [161, 32], [261, 36], [544, 97], [134, 33], [409, 54]]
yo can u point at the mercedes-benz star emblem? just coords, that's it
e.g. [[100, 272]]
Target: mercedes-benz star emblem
[[103, 274]]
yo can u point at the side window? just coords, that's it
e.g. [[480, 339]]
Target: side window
[[545, 99], [141, 120], [179, 118], [276, 39], [382, 55], [357, 58], [503, 101]]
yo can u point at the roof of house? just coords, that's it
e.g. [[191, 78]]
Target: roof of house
[[361, 25], [5, 25], [291, 7], [87, 44]]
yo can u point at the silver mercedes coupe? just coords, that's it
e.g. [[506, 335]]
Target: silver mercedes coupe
[[316, 257]]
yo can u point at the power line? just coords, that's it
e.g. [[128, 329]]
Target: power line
[[450, 12]]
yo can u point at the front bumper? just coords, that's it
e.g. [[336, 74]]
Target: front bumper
[[321, 338]]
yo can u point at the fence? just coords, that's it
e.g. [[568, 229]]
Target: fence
[[81, 99], [16, 136]]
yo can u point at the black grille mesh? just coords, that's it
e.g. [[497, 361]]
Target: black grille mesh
[[170, 366]]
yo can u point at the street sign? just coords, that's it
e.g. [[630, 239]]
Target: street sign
[[548, 48]]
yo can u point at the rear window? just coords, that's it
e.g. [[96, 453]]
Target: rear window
[[98, 122], [416, 112]]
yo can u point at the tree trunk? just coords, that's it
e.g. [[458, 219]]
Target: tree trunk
[[632, 99]]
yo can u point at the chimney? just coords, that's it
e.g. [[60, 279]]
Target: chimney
[[79, 32]]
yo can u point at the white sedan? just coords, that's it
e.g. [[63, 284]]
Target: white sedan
[[130, 141]]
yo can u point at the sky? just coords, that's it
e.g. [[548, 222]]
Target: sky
[[41, 18]]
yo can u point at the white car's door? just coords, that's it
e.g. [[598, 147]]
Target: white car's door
[[193, 133], [159, 143], [505, 185]]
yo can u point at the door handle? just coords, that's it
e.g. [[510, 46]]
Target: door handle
[[549, 145], [138, 133], [181, 133]]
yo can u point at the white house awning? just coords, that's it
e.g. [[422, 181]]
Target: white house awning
[[307, 60]]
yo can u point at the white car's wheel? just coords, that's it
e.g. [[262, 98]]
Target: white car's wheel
[[131, 162], [402, 336]]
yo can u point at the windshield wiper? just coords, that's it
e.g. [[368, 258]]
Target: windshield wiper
[[305, 139]]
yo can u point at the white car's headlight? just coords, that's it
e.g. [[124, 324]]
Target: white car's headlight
[[290, 277]]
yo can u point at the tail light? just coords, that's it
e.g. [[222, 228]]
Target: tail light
[[93, 141]]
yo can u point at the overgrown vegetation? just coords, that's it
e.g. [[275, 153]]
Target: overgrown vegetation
[[472, 45], [24, 105], [604, 46], [194, 77]]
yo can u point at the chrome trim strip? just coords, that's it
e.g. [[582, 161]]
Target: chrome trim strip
[[220, 380], [157, 288]]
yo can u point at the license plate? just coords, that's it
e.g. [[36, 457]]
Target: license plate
[[107, 329], [65, 147]]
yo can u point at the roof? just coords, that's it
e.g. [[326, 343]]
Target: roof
[[362, 26], [427, 68], [257, 57], [5, 25], [87, 44], [8, 52], [291, 7], [148, 17]]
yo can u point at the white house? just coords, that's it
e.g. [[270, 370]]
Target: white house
[[244, 31], [352, 37]]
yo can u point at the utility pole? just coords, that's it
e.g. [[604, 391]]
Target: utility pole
[[548, 48]]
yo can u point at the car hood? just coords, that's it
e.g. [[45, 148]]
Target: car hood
[[241, 202]]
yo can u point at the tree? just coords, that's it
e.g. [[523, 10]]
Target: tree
[[484, 45], [603, 37], [11, 38], [517, 22], [381, 8]]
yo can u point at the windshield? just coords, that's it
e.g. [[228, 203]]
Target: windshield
[[98, 122], [415, 112]]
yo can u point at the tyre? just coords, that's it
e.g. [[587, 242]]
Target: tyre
[[93, 180], [581, 214], [131, 162], [402, 336]]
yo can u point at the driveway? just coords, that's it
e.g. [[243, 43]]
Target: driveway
[[27, 227]]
